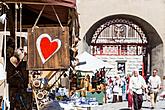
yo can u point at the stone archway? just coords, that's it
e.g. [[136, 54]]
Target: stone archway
[[154, 56]]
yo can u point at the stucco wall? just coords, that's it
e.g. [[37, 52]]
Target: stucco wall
[[152, 11]]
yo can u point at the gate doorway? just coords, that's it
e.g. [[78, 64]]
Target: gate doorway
[[125, 38]]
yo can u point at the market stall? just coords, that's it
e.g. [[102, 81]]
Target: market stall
[[33, 27], [91, 84]]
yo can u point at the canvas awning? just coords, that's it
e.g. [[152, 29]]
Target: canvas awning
[[32, 8], [66, 3], [92, 63]]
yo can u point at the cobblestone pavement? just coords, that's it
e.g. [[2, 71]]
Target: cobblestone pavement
[[123, 106]]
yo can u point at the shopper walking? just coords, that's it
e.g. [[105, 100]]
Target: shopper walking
[[117, 89], [154, 82], [136, 86], [129, 93]]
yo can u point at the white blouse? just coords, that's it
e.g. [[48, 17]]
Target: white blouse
[[137, 83]]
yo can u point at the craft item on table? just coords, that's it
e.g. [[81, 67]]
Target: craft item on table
[[62, 91], [92, 99], [93, 103], [78, 102], [40, 95], [83, 100], [36, 83], [44, 82], [45, 92], [75, 96]]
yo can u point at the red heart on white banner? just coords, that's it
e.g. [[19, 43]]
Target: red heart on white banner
[[47, 47]]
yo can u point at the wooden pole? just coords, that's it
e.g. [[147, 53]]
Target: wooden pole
[[35, 96], [16, 7], [20, 26]]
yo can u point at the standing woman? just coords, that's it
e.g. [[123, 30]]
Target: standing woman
[[136, 86], [117, 89], [129, 94]]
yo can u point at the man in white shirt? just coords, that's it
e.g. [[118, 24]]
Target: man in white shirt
[[136, 86], [154, 82]]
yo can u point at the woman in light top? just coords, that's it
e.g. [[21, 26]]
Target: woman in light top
[[117, 89], [136, 86]]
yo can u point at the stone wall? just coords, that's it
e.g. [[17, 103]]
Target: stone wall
[[157, 60]]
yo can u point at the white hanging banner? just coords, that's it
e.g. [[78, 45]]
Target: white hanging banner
[[1, 43], [2, 73]]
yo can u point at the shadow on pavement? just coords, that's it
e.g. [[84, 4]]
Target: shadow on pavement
[[124, 109], [146, 107]]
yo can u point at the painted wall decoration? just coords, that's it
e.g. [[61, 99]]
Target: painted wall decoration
[[123, 64], [48, 48]]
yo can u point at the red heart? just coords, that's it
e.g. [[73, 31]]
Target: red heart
[[46, 48]]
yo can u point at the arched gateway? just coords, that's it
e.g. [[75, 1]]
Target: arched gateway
[[127, 42]]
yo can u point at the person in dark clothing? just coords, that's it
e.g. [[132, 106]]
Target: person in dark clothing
[[52, 104]]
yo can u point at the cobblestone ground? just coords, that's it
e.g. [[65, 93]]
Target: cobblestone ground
[[123, 106]]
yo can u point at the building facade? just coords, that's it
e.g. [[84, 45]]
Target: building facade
[[146, 17]]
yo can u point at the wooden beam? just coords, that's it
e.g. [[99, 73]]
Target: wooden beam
[[56, 80], [67, 4], [53, 74], [23, 34]]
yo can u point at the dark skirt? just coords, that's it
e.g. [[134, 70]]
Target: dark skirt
[[137, 101]]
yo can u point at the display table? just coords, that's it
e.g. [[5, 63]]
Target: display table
[[76, 107], [85, 107], [97, 94]]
